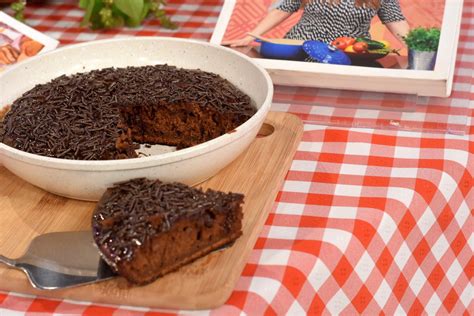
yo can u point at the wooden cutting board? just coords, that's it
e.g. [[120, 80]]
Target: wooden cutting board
[[27, 211]]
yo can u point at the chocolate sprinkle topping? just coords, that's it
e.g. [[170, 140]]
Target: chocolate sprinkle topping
[[79, 117], [132, 212]]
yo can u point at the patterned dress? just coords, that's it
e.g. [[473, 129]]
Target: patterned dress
[[325, 22]]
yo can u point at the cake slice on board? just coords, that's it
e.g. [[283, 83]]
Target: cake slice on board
[[145, 228]]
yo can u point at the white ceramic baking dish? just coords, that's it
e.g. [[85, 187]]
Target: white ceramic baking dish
[[87, 180]]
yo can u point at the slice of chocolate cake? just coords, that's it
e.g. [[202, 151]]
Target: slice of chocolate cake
[[146, 228]]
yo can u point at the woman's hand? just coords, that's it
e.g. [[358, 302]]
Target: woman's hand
[[246, 41]]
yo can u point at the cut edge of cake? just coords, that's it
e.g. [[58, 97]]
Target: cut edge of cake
[[173, 238]]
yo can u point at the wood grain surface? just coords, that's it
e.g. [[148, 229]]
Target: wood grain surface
[[27, 211]]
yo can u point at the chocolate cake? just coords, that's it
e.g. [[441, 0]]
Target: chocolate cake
[[105, 114], [146, 228]]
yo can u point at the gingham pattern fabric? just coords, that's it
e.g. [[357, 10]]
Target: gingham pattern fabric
[[367, 221]]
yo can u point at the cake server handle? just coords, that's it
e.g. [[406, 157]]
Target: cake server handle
[[8, 261]]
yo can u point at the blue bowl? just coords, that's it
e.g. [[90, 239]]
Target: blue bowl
[[282, 51]]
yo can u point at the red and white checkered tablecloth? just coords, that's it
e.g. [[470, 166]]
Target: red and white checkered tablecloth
[[368, 220]]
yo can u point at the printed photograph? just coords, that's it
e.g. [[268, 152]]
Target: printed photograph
[[396, 34], [15, 47], [19, 42]]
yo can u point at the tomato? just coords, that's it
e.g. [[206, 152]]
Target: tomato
[[361, 47], [343, 42], [338, 44]]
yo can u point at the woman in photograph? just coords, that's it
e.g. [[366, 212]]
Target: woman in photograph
[[326, 20]]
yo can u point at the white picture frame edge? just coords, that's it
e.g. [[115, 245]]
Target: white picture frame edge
[[48, 42], [436, 83]]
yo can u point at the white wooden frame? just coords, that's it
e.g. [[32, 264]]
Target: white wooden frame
[[48, 42], [424, 83]]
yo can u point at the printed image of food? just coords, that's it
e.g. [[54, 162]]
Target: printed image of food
[[8, 55], [362, 46], [29, 47], [15, 47]]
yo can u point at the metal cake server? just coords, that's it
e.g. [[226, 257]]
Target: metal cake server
[[60, 260]]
